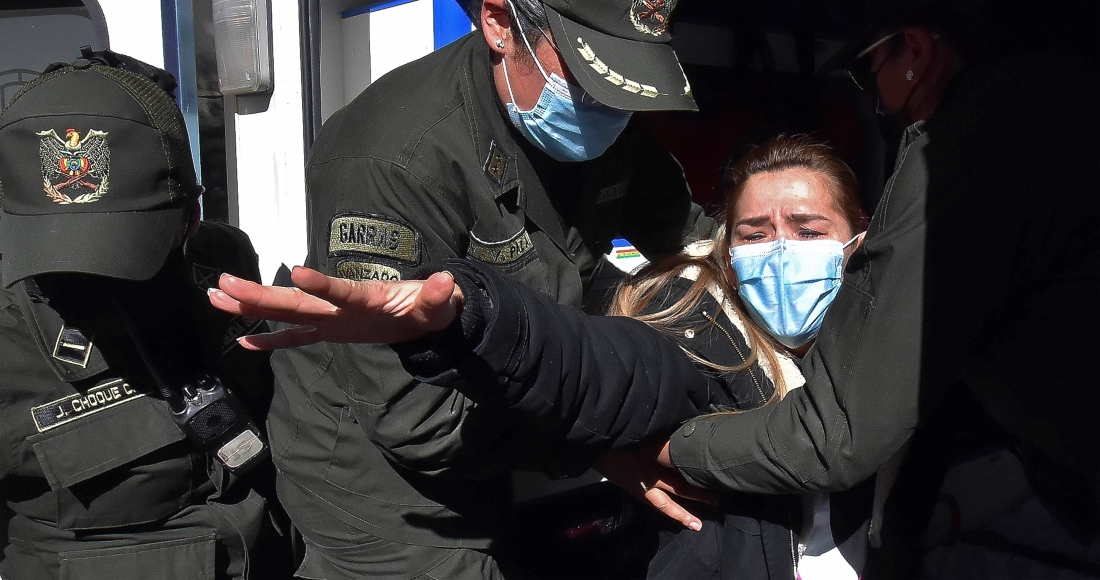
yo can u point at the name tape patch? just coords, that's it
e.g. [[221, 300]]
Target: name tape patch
[[238, 327], [612, 192], [506, 252], [374, 235], [73, 407], [356, 270]]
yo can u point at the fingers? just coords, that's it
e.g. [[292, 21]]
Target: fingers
[[664, 504], [683, 489], [256, 298], [287, 338]]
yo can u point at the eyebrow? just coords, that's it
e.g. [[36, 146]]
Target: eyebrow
[[801, 218], [806, 217]]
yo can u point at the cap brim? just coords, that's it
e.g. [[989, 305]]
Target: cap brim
[[127, 245], [624, 74], [844, 57]]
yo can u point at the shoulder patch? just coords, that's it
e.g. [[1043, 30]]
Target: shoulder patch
[[102, 396], [356, 270], [351, 234], [204, 277], [496, 163], [500, 253]]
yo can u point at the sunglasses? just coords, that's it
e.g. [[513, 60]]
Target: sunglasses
[[860, 71]]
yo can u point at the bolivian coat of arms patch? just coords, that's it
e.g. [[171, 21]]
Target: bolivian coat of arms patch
[[74, 169], [651, 16]]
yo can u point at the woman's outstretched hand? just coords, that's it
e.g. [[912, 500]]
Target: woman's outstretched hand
[[327, 309]]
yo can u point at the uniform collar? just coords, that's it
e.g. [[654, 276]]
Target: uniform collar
[[493, 139]]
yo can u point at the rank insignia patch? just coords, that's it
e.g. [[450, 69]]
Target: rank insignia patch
[[500, 253], [375, 235], [102, 396], [74, 169], [72, 347], [356, 270], [496, 163]]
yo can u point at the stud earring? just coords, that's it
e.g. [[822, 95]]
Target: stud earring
[[908, 75], [500, 43]]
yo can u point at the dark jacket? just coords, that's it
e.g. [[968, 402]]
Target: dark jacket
[[979, 271], [423, 166], [612, 382], [99, 479]]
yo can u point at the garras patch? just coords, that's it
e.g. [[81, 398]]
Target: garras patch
[[74, 169], [102, 396], [352, 234], [502, 253]]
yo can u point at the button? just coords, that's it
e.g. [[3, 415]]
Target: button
[[81, 63], [689, 429]]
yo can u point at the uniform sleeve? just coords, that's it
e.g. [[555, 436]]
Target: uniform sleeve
[[374, 220], [660, 217], [597, 382]]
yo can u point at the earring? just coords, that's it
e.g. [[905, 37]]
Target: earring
[[500, 43], [908, 75]]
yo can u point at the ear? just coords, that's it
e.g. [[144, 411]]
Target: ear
[[496, 25], [918, 51]]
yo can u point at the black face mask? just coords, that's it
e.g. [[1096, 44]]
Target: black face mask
[[160, 310]]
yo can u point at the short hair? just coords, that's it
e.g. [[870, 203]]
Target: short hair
[[532, 20]]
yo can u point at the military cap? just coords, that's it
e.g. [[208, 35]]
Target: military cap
[[96, 174], [619, 52]]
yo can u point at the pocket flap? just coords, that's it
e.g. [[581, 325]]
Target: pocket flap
[[98, 441], [185, 559]]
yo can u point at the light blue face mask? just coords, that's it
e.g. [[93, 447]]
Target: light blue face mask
[[566, 123], [787, 285]]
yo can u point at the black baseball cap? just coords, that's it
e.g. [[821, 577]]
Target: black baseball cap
[[619, 52], [96, 174], [882, 18]]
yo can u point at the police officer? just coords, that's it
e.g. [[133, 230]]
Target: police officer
[[514, 146], [102, 308]]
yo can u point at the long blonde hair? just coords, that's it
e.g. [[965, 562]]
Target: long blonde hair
[[712, 271]]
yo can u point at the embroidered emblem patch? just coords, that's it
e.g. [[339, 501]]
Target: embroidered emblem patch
[[375, 235], [496, 163], [611, 76], [356, 270], [500, 253], [651, 16], [72, 347], [205, 277], [74, 169], [100, 397]]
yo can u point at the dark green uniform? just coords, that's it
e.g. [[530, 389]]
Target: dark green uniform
[[423, 166], [100, 479]]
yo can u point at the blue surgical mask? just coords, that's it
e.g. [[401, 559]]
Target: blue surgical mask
[[787, 285], [566, 123]]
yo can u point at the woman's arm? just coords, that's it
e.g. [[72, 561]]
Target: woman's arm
[[601, 382]]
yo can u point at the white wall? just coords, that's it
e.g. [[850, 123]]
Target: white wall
[[269, 177], [134, 29]]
